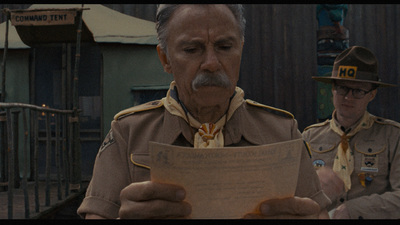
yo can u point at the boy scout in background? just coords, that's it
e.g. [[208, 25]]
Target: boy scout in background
[[356, 154]]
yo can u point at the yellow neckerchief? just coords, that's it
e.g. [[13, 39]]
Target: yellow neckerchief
[[344, 161], [209, 134]]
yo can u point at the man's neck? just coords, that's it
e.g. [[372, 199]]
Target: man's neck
[[346, 123], [208, 114], [204, 114]]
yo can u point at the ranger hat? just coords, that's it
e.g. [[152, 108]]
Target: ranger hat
[[355, 64]]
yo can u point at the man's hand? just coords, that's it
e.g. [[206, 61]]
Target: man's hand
[[341, 212], [331, 184], [144, 200], [289, 208]]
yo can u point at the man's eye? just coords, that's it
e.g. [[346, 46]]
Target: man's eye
[[225, 47], [358, 91], [190, 50]]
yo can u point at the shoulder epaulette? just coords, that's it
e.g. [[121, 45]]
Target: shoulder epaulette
[[386, 121], [139, 108], [318, 124], [270, 108]]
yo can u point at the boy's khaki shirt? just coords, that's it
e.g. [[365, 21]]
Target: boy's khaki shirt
[[375, 181]]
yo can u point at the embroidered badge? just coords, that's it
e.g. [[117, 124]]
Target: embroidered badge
[[318, 163], [109, 140], [369, 163]]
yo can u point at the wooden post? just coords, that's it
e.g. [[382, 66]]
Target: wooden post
[[10, 165], [3, 64], [3, 153], [15, 127], [48, 158], [36, 158], [3, 142], [75, 183], [25, 174]]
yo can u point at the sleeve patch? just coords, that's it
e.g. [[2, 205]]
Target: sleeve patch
[[109, 140]]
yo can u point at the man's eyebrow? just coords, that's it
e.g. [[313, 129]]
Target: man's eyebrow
[[222, 40], [225, 39], [189, 42]]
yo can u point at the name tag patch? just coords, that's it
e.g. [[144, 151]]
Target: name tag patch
[[369, 163]]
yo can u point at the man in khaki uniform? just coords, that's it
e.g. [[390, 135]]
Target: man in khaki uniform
[[356, 154], [201, 45]]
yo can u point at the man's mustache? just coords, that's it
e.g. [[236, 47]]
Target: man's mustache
[[204, 79]]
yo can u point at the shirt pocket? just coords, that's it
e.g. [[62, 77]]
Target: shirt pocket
[[140, 167], [323, 154], [370, 157], [321, 147]]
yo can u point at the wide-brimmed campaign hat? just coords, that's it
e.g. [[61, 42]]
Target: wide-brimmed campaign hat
[[355, 64]]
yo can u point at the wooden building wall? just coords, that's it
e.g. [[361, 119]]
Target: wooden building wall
[[280, 52]]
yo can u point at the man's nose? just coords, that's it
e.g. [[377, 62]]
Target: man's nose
[[211, 61], [349, 94]]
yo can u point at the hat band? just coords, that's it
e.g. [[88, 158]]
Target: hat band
[[350, 72]]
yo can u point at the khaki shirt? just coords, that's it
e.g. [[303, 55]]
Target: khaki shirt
[[123, 157], [376, 162]]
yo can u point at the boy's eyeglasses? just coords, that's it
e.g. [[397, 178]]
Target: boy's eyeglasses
[[357, 93]]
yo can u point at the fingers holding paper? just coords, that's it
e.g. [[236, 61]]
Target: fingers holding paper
[[288, 208], [144, 200], [332, 185]]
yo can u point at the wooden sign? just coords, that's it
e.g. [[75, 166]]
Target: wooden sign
[[43, 18]]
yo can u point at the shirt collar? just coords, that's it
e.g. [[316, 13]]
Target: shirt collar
[[238, 127], [346, 131]]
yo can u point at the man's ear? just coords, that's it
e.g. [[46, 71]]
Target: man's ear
[[373, 94], [163, 59]]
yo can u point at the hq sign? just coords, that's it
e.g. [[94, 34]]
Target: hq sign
[[347, 71], [43, 18]]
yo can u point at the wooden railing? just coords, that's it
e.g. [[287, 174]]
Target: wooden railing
[[39, 146]]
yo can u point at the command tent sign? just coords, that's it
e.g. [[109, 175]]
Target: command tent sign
[[45, 26], [43, 17]]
